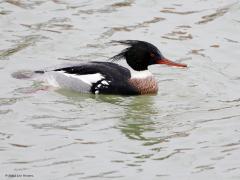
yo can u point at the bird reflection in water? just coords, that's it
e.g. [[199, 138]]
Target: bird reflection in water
[[139, 114]]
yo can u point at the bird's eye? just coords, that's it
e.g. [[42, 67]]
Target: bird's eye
[[152, 55]]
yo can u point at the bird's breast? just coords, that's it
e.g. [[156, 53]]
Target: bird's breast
[[146, 85]]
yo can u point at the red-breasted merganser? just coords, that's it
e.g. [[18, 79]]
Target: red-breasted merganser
[[111, 78]]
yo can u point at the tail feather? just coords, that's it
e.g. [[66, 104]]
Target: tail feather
[[39, 72], [25, 74]]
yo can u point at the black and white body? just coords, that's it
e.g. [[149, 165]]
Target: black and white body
[[109, 77]]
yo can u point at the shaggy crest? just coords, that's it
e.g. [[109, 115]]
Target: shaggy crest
[[133, 44]]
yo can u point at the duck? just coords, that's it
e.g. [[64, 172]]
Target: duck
[[108, 77]]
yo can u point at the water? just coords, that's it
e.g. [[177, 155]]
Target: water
[[190, 130]]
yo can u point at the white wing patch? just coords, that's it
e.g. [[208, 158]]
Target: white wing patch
[[80, 83], [88, 78]]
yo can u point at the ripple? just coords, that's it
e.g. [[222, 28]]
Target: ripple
[[28, 162], [167, 156], [108, 8], [59, 163], [130, 28], [75, 174], [221, 118], [203, 168], [20, 145], [213, 16], [172, 11], [107, 174], [178, 35], [8, 101], [197, 52], [123, 4], [56, 25], [5, 136], [231, 40], [24, 5], [51, 126], [21, 44]]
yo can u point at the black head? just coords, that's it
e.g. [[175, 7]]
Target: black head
[[140, 54]]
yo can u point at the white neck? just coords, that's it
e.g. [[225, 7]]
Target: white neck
[[140, 74]]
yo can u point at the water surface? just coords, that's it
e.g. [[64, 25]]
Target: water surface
[[189, 130]]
